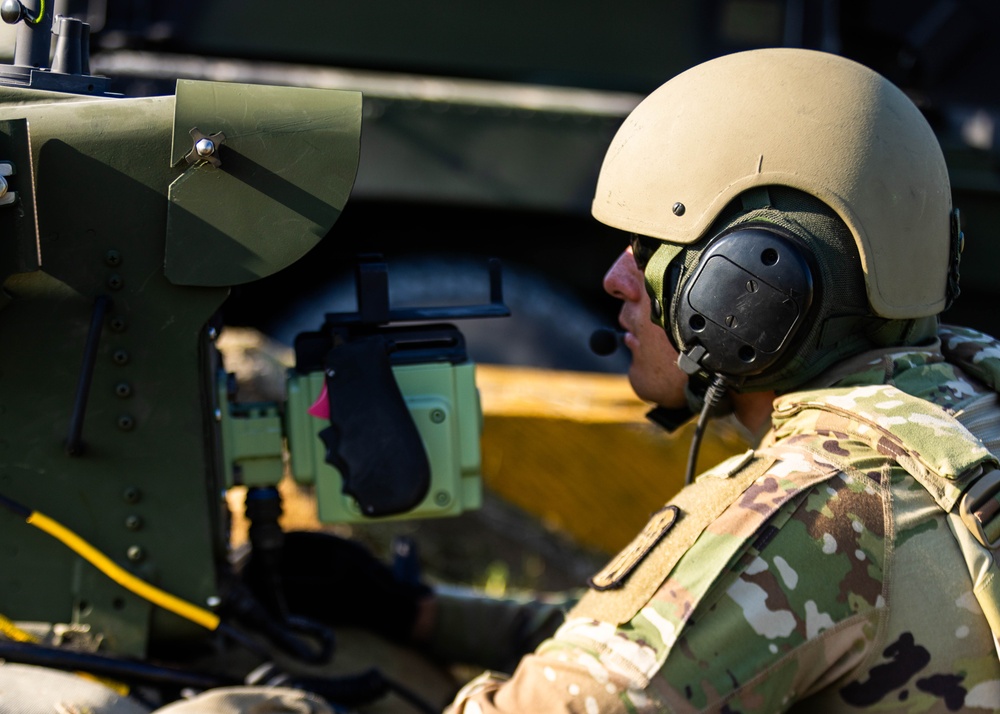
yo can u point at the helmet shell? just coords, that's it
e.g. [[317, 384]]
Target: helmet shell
[[809, 120]]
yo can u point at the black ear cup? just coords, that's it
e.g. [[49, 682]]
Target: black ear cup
[[749, 294]]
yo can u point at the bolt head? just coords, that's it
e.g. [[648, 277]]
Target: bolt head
[[204, 147], [132, 495], [11, 11]]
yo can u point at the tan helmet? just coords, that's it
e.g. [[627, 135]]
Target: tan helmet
[[814, 122]]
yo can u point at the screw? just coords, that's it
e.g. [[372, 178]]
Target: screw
[[113, 258], [120, 357], [123, 389], [115, 281], [442, 498], [133, 523], [126, 422], [132, 495], [213, 601], [752, 286], [437, 415], [135, 553], [678, 209], [118, 323], [731, 321], [656, 309]]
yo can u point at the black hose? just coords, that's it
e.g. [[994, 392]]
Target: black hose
[[114, 668]]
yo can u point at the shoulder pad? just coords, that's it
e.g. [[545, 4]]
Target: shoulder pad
[[923, 438]]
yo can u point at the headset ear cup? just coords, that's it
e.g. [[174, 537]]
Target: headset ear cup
[[748, 296]]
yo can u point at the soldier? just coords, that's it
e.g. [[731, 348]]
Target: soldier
[[791, 221]]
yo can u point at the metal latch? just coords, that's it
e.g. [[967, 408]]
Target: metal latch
[[980, 509]]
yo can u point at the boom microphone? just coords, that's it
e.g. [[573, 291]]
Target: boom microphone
[[605, 340]]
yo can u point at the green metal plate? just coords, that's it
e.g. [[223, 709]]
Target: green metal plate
[[19, 251], [287, 167]]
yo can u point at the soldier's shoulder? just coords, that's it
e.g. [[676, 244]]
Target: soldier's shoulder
[[719, 514]]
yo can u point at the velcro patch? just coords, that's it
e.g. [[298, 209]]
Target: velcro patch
[[614, 573]]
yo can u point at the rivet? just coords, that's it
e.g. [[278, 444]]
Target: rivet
[[331, 373], [213, 334], [441, 498], [132, 495], [656, 309], [437, 415], [678, 209], [135, 553]]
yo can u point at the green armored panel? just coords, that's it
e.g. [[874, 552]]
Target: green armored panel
[[275, 196], [139, 475], [137, 488], [19, 247]]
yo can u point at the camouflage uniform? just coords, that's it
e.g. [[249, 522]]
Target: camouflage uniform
[[819, 572]]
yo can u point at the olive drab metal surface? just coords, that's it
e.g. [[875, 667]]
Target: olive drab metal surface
[[265, 156], [106, 420], [19, 251]]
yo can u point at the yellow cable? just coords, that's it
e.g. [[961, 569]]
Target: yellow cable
[[205, 618], [12, 632], [38, 15]]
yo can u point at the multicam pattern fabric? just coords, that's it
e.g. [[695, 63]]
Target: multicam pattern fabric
[[833, 583]]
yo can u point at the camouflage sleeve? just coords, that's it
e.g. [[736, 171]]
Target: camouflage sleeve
[[493, 633], [560, 677]]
